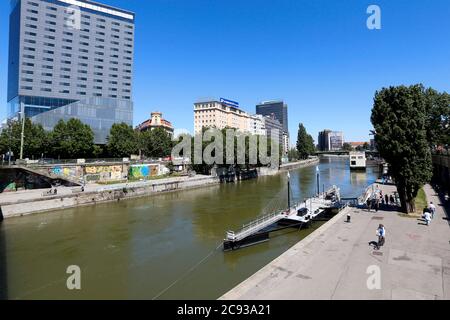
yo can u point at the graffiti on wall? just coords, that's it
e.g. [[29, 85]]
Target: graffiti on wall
[[92, 173], [103, 173], [8, 187], [143, 170], [68, 172]]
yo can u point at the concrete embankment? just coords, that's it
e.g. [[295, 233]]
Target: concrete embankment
[[20, 203], [266, 171], [299, 164], [37, 201], [338, 261]]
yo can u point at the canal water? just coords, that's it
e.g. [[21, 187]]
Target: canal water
[[161, 246]]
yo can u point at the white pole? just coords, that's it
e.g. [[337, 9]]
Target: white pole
[[23, 129]]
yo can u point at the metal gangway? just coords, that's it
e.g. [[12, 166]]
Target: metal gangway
[[256, 225], [315, 205], [273, 212]]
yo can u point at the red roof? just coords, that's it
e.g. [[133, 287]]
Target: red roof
[[148, 123]]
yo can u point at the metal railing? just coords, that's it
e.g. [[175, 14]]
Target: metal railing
[[255, 225], [100, 161], [275, 215], [260, 220]]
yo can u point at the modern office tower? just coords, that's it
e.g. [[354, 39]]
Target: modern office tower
[[278, 108], [275, 128], [330, 140], [220, 114], [323, 143], [336, 139], [285, 143], [71, 59]]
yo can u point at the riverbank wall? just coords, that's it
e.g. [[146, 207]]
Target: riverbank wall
[[37, 201], [120, 192], [299, 164]]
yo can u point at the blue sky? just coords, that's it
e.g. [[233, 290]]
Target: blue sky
[[317, 55]]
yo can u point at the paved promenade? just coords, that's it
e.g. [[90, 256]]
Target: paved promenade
[[336, 261]]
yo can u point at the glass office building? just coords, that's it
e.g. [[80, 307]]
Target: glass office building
[[71, 58], [278, 108]]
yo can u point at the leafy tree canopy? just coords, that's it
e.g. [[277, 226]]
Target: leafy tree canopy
[[122, 141], [156, 143], [347, 146], [400, 118], [35, 140], [305, 143], [72, 139]]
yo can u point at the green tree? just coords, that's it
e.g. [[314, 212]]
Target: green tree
[[305, 143], [438, 117], [122, 141], [206, 168], [311, 145], [72, 139], [366, 146], [156, 143], [399, 117], [293, 154], [347, 146], [35, 140]]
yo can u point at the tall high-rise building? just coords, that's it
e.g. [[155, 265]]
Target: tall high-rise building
[[330, 140], [322, 141], [336, 139], [278, 108], [274, 129], [71, 59]]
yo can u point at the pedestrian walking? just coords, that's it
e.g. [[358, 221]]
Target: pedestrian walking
[[432, 208], [368, 201], [427, 217], [381, 233], [386, 199]]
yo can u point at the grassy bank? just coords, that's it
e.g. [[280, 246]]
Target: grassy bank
[[421, 201]]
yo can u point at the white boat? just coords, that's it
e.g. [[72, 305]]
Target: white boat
[[306, 211], [357, 161], [298, 215]]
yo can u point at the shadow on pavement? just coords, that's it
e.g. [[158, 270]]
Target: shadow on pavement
[[445, 204]]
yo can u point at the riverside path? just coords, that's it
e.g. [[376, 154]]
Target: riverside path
[[337, 262]]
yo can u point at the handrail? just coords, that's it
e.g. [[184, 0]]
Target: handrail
[[261, 221]]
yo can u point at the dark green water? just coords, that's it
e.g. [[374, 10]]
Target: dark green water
[[135, 249]]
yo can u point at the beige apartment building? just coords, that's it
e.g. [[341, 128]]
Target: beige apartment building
[[220, 114]]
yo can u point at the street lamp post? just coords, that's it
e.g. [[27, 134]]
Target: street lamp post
[[22, 113], [10, 140]]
